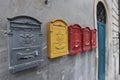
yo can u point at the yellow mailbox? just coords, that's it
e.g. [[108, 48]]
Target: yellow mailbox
[[57, 38]]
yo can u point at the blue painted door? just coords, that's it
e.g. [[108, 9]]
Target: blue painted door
[[101, 50]]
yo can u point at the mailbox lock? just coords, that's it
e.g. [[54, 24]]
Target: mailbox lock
[[87, 43], [94, 43], [27, 49], [76, 45]]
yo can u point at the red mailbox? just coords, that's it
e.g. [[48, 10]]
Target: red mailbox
[[86, 38], [93, 39], [75, 39]]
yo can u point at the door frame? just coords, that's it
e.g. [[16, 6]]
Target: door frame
[[108, 45]]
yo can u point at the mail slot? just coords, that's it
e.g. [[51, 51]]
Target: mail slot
[[24, 34], [93, 39], [86, 39], [57, 38], [75, 39]]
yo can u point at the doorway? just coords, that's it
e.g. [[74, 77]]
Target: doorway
[[101, 26]]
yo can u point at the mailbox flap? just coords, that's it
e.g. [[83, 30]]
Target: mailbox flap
[[57, 38], [75, 39], [86, 38]]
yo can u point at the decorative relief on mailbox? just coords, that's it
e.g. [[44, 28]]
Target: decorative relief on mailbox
[[27, 38], [24, 43], [57, 38], [75, 39]]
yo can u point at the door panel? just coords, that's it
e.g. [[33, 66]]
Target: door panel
[[101, 51]]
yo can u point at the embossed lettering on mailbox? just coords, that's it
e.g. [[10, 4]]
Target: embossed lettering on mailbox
[[86, 39], [75, 39], [24, 43], [57, 38], [93, 39]]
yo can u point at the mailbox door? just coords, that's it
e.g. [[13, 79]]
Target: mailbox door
[[75, 39], [24, 43], [93, 38], [86, 39], [57, 38]]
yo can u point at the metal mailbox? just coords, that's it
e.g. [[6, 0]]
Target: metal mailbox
[[93, 39], [57, 38], [24, 43], [86, 39], [75, 39]]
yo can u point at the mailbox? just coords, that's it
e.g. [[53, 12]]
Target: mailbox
[[86, 38], [57, 38], [93, 39], [24, 34], [75, 39]]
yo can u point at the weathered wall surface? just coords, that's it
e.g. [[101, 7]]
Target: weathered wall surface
[[115, 37], [77, 67]]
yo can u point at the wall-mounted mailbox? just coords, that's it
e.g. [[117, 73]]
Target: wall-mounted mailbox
[[75, 39], [57, 38], [24, 43], [93, 39], [86, 39]]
